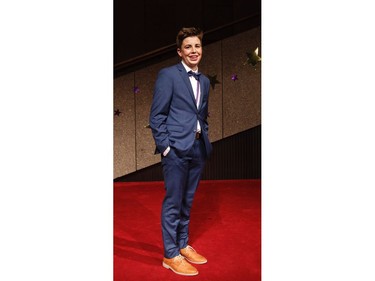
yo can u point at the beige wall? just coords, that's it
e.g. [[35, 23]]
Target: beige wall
[[234, 106]]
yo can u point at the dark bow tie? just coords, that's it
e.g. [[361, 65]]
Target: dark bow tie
[[195, 74]]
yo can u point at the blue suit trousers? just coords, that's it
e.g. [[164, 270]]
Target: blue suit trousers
[[182, 174]]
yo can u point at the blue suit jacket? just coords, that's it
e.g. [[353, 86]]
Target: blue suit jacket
[[174, 114]]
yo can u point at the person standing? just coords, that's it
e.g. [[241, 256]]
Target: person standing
[[178, 121]]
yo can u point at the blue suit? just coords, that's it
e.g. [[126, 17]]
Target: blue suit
[[173, 121]]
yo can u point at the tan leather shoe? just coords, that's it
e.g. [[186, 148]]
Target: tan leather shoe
[[180, 266], [192, 256]]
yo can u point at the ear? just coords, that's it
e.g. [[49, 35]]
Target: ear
[[179, 52]]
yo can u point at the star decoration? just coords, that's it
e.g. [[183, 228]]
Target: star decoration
[[117, 112], [213, 81], [253, 58], [234, 77], [136, 90]]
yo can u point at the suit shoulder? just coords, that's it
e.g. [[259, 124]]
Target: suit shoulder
[[205, 78], [167, 75]]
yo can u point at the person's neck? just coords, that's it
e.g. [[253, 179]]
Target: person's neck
[[195, 69]]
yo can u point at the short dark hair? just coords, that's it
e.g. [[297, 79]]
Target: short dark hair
[[188, 32]]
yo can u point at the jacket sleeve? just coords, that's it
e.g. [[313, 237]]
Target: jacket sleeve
[[162, 97]]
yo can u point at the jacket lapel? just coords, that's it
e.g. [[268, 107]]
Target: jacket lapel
[[185, 78], [202, 91]]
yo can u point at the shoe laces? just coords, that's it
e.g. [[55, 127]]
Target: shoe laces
[[179, 258], [190, 248]]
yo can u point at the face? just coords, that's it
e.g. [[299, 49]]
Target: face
[[191, 51]]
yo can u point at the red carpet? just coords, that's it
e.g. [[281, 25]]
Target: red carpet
[[225, 227]]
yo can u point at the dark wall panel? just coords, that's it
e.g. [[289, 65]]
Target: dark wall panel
[[236, 157], [128, 25], [143, 26]]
